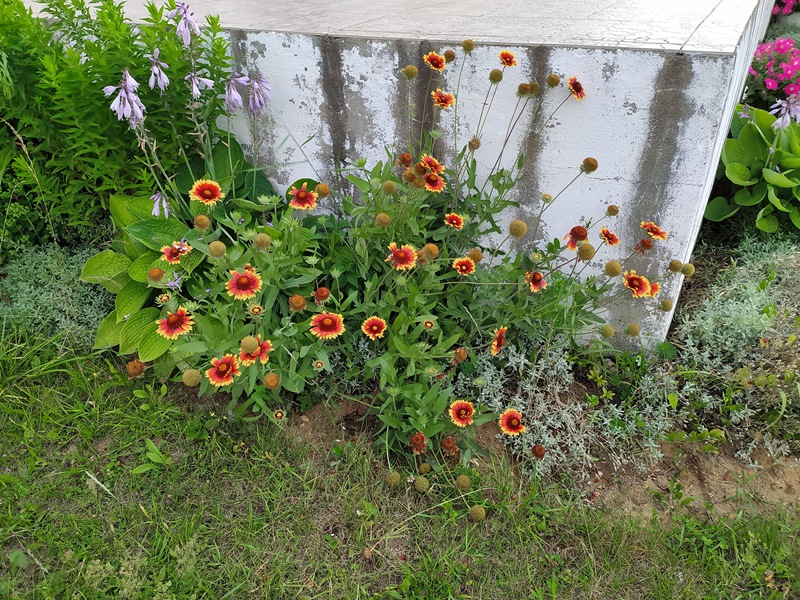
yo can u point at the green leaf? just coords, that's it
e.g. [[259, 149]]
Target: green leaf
[[143, 468], [766, 221], [777, 179], [256, 184], [228, 159], [719, 209], [779, 203], [108, 332], [152, 345], [794, 216], [139, 268], [18, 559], [359, 183], [130, 299], [739, 174], [745, 197], [763, 120], [752, 144], [134, 327], [106, 269], [732, 152], [157, 233], [126, 210]]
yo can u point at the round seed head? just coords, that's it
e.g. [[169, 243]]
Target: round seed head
[[191, 378], [607, 331], [421, 484], [217, 249], [675, 265], [382, 220], [632, 329], [613, 268], [547, 198], [202, 222], [271, 381], [474, 144], [155, 274], [688, 269], [476, 254], [478, 513], [135, 368], [666, 305], [586, 251], [390, 187], [612, 210], [249, 344], [410, 72], [262, 241], [419, 182], [425, 468], [589, 165], [517, 228], [462, 482], [297, 303], [393, 479], [409, 175], [553, 80], [322, 190], [460, 355], [535, 88], [430, 251], [468, 46], [495, 76], [524, 89], [449, 56]]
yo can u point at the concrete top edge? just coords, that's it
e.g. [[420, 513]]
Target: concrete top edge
[[706, 26]]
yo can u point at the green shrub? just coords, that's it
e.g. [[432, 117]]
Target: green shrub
[[40, 293]]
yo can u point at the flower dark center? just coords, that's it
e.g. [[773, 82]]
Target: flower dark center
[[463, 413], [208, 193], [327, 321], [244, 281], [514, 422], [223, 368], [174, 320]]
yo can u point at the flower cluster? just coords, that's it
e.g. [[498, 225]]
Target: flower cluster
[[775, 71], [784, 7]]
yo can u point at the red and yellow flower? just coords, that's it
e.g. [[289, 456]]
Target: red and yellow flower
[[464, 266], [654, 230], [535, 281], [643, 246], [508, 59], [499, 339], [435, 61], [255, 309], [511, 422], [433, 183], [639, 285], [261, 353], [443, 99], [172, 254], [609, 237], [655, 287], [327, 326], [244, 285], [575, 88], [461, 413], [303, 199], [402, 258], [449, 446], [576, 235], [175, 324], [429, 325], [454, 220], [373, 328], [206, 191], [223, 370], [418, 443], [430, 163]]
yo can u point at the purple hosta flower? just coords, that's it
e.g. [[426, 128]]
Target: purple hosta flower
[[233, 99], [259, 94], [160, 203], [157, 75], [745, 112], [187, 25], [195, 81], [786, 110], [127, 104], [174, 282]]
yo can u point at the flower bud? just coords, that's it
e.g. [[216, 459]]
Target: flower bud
[[553, 80], [612, 210], [155, 274], [191, 378], [495, 76], [262, 241], [547, 198], [613, 268], [474, 144], [410, 71], [589, 165], [202, 222], [468, 46], [449, 56], [632, 329], [382, 220], [389, 187], [688, 269], [217, 249], [607, 331], [271, 381], [322, 190], [517, 228], [586, 251]]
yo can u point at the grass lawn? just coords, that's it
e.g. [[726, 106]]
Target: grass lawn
[[245, 510]]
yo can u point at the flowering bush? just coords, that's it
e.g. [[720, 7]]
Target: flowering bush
[[774, 73], [390, 295], [760, 163], [785, 7]]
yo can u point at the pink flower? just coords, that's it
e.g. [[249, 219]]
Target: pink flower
[[753, 72], [783, 45], [792, 88], [770, 84]]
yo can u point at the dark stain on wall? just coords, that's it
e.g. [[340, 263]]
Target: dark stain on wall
[[334, 105]]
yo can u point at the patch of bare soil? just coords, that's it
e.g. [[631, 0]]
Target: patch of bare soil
[[724, 481]]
